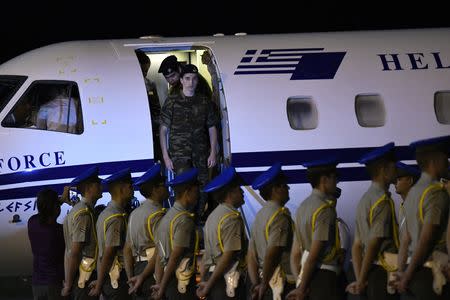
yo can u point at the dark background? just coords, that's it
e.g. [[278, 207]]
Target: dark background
[[28, 25]]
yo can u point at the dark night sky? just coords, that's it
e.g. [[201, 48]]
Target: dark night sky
[[25, 26]]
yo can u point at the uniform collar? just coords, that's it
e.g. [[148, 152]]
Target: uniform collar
[[115, 205], [177, 205], [228, 206], [272, 204], [86, 203], [378, 188], [149, 201], [425, 177], [318, 193]]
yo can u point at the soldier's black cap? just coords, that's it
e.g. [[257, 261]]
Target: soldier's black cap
[[168, 65], [189, 68]]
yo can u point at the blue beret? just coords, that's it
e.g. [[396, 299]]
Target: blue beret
[[150, 175], [185, 177], [331, 162], [377, 153], [122, 175], [406, 170], [221, 180], [168, 65], [441, 143], [267, 176], [88, 174], [189, 68]]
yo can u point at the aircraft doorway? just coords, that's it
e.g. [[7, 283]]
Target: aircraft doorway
[[209, 84]]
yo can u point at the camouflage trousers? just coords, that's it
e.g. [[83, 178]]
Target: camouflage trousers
[[199, 161]]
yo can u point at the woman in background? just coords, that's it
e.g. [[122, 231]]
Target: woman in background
[[47, 245]]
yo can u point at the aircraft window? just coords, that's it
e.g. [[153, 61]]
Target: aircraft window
[[8, 87], [48, 105], [370, 110], [302, 113], [442, 106]]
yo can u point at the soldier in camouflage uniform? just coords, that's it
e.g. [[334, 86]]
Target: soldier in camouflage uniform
[[188, 119]]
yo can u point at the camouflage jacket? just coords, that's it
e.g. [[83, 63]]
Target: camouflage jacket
[[188, 120]]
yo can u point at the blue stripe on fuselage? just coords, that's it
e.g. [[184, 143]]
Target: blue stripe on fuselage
[[242, 159], [73, 171]]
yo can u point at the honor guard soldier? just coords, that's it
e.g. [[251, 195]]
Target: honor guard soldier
[[80, 236], [111, 231], [426, 210], [376, 236], [140, 242], [407, 176], [317, 231], [177, 242], [225, 241], [271, 238]]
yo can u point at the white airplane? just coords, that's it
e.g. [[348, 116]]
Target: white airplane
[[288, 98]]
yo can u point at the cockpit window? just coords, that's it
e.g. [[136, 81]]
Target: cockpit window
[[48, 105], [8, 87]]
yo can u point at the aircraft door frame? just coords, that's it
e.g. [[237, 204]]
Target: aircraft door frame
[[194, 53]]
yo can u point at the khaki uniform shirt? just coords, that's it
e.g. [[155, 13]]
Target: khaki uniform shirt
[[142, 226], [324, 227], [381, 226], [183, 233], [232, 234], [79, 226], [280, 234], [111, 229], [435, 211]]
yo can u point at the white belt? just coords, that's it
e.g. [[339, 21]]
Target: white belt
[[141, 258], [427, 264], [334, 268], [439, 260]]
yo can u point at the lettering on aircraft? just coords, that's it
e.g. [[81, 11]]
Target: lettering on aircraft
[[303, 63], [29, 161], [413, 61], [17, 206]]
